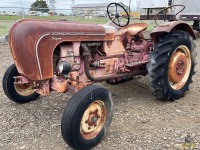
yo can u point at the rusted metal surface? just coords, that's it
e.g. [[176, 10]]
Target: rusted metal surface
[[114, 47], [21, 80], [110, 29], [104, 78], [24, 89], [58, 84], [38, 39], [43, 88], [93, 119], [77, 80], [90, 53], [168, 27], [179, 67], [133, 29], [70, 54], [23, 86]]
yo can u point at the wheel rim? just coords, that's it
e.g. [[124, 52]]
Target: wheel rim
[[179, 67], [93, 119], [24, 89]]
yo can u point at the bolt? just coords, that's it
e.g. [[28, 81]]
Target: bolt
[[94, 119]]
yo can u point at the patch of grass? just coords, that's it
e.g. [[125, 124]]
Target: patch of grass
[[151, 26], [5, 17], [7, 21], [3, 30], [5, 26]]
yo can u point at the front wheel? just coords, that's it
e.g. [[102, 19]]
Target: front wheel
[[87, 117], [20, 93], [171, 65]]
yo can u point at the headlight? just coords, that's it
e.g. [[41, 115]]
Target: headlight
[[64, 67], [61, 66]]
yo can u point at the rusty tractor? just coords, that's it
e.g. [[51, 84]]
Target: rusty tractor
[[68, 57]]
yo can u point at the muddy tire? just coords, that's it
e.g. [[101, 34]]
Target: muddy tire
[[171, 65], [17, 93], [87, 117]]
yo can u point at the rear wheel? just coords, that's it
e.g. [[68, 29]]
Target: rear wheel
[[20, 93], [87, 117], [171, 65]]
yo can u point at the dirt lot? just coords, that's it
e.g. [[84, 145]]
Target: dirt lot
[[140, 121]]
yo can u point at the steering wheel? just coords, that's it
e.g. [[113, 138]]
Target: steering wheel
[[114, 15], [156, 16]]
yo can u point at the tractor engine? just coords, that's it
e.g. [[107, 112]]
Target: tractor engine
[[102, 64], [78, 64], [66, 59], [138, 48], [69, 60]]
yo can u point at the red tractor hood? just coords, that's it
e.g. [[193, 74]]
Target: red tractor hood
[[33, 42]]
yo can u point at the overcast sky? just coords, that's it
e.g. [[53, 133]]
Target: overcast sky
[[60, 4]]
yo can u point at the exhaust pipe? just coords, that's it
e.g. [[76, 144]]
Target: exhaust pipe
[[86, 56]]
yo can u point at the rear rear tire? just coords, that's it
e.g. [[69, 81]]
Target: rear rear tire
[[171, 65]]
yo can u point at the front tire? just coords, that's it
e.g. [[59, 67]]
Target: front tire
[[171, 65], [87, 117], [17, 93]]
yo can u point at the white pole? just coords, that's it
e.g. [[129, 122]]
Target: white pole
[[129, 7], [22, 9]]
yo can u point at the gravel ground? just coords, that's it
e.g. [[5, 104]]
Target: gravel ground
[[140, 122]]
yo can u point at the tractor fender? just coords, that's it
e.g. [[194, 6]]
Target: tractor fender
[[170, 26]]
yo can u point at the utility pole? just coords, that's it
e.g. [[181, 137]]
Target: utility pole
[[51, 5], [72, 3], [22, 9], [138, 5]]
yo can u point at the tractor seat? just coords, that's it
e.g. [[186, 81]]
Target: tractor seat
[[133, 29]]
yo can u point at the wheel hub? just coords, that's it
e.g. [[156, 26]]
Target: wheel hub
[[24, 89], [179, 67], [93, 119]]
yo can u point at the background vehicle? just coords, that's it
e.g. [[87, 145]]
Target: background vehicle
[[34, 13], [149, 8], [69, 57]]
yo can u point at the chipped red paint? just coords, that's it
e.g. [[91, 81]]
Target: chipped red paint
[[116, 52], [32, 43], [168, 27]]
